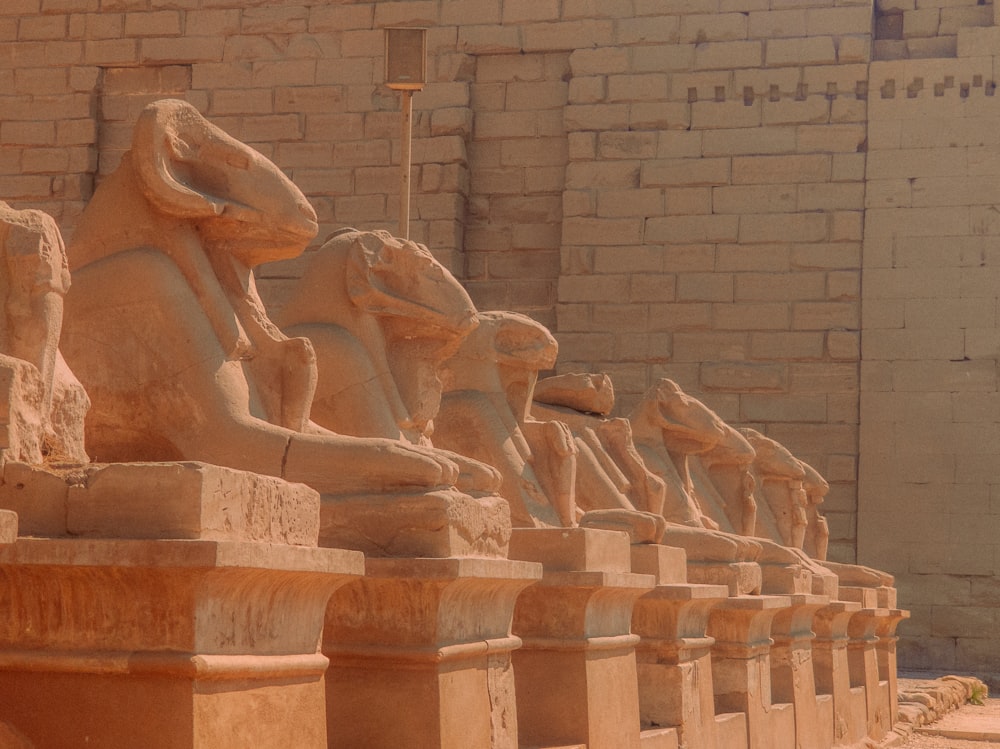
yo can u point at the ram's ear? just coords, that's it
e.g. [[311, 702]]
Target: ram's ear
[[165, 144]]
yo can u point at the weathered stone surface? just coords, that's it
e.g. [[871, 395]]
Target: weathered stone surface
[[191, 500], [485, 414], [382, 315], [8, 526], [43, 405], [432, 524], [402, 633], [589, 393], [236, 621], [193, 241]]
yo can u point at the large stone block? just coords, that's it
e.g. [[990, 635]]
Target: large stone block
[[214, 645], [435, 635], [436, 524], [161, 500]]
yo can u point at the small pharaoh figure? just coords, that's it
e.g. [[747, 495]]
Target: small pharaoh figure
[[748, 503], [799, 519], [817, 536]]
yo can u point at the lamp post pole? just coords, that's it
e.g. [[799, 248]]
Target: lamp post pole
[[406, 72], [406, 141]]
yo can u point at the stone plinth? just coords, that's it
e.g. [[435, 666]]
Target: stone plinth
[[674, 659], [862, 659], [741, 665], [8, 526], [576, 672], [438, 524], [832, 670], [741, 578], [420, 654], [188, 500], [176, 643], [885, 629], [785, 579], [792, 676]]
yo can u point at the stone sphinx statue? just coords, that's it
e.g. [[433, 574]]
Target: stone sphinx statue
[[669, 424], [614, 487], [382, 315], [555, 473], [791, 514], [726, 483], [484, 413], [661, 413], [45, 403], [180, 359]]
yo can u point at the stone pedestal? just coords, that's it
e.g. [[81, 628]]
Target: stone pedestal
[[188, 500], [792, 675], [420, 654], [439, 524], [832, 670], [741, 665], [785, 579], [862, 660], [576, 672], [741, 578], [885, 629], [674, 653], [181, 643], [8, 527]]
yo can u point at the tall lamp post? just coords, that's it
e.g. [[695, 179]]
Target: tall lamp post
[[406, 72]]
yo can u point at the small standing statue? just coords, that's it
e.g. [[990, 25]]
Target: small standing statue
[[46, 404]]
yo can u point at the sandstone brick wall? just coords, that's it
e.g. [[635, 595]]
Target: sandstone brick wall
[[930, 477], [726, 192], [925, 28], [713, 219]]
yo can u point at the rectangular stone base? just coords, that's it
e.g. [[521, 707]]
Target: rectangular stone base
[[185, 500], [741, 578], [565, 694], [576, 672], [858, 706], [8, 527], [782, 725], [824, 721], [440, 524], [217, 710], [187, 644], [673, 659], [665, 563], [659, 738], [731, 731], [785, 579], [420, 654]]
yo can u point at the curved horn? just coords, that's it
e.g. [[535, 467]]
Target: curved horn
[[158, 144], [520, 341]]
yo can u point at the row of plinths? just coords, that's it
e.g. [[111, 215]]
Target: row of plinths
[[576, 639]]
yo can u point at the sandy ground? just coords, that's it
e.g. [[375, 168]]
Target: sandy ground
[[942, 742], [969, 722]]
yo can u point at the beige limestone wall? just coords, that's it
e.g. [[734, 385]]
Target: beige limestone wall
[[677, 189], [713, 219], [925, 28], [297, 80], [929, 471]]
